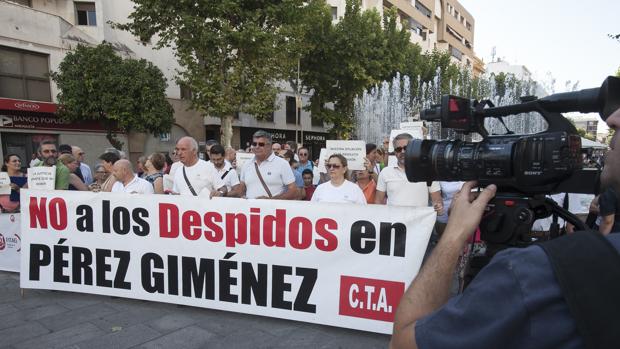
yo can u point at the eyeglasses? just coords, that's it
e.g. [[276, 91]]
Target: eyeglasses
[[399, 149], [303, 154], [334, 166], [258, 144]]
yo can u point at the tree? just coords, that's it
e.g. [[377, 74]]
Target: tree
[[128, 94], [349, 57], [231, 52]]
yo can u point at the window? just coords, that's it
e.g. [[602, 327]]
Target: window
[[86, 14], [468, 26], [417, 28], [24, 75], [334, 13], [291, 115], [456, 53], [22, 2], [186, 92], [271, 116], [425, 11]]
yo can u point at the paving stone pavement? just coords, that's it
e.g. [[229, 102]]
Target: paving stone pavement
[[55, 319]]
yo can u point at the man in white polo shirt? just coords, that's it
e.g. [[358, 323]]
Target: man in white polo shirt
[[127, 181], [195, 177], [225, 171], [400, 192], [278, 180]]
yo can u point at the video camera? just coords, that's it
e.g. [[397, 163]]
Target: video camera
[[524, 167]]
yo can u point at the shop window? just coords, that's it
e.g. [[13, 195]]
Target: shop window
[[291, 115], [86, 14], [24, 75]]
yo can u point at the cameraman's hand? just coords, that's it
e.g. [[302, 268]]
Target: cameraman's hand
[[466, 211]]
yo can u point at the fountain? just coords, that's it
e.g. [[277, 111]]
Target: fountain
[[381, 109]]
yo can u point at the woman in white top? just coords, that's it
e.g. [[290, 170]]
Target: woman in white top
[[338, 189]]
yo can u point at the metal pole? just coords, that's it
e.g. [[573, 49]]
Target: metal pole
[[298, 106]]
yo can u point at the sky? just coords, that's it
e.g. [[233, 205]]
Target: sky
[[567, 39]]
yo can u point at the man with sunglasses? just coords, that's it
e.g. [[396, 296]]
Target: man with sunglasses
[[267, 176], [400, 192]]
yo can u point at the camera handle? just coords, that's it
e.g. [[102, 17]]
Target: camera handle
[[507, 222], [509, 217]]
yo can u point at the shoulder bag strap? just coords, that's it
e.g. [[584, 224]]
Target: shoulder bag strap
[[189, 185], [262, 180], [587, 268], [224, 175]]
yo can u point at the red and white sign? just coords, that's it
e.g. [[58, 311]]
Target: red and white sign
[[10, 241], [333, 264]]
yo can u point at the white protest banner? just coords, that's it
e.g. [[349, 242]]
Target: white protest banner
[[242, 158], [579, 203], [354, 151], [42, 178], [5, 183], [335, 264], [412, 125], [10, 241], [168, 183], [416, 134], [392, 161], [322, 159]]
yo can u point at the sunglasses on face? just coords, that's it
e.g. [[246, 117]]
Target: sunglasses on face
[[258, 144], [399, 149], [303, 154], [334, 166]]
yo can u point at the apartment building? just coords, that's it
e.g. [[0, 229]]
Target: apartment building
[[35, 36], [434, 24]]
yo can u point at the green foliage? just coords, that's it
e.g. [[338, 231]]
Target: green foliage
[[96, 84], [231, 52], [349, 57]]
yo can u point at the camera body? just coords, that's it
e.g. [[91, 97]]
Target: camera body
[[524, 167]]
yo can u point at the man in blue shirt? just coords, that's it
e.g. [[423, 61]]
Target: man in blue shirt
[[514, 302]]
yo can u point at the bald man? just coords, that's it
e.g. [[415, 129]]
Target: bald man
[[195, 177], [127, 181]]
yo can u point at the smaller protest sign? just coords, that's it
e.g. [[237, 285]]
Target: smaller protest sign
[[242, 158], [5, 183], [354, 151], [42, 178], [322, 159], [411, 125]]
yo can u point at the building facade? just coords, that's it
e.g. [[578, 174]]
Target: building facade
[[434, 24], [35, 36]]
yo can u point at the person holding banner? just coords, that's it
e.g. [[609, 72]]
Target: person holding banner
[[338, 189], [127, 181], [195, 177], [13, 167], [267, 176], [225, 170]]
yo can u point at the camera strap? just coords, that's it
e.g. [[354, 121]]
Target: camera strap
[[587, 267]]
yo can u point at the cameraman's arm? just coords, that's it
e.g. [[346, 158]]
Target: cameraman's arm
[[431, 288], [607, 223]]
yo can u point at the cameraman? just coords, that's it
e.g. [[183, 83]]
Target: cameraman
[[514, 302]]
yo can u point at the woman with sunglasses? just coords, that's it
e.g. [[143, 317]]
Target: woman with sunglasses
[[338, 189]]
